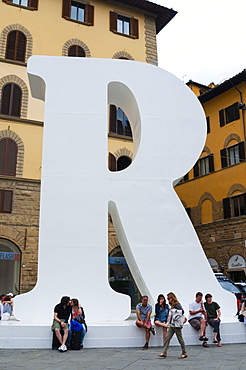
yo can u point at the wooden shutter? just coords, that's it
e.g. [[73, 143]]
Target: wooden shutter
[[10, 158], [16, 101], [134, 27], [2, 155], [6, 201], [20, 47], [33, 4], [5, 99], [211, 162], [186, 177], [66, 8], [222, 117], [89, 14], [113, 21], [111, 162], [227, 207], [236, 114], [76, 51], [241, 151], [10, 48], [208, 124], [112, 118], [223, 157], [196, 169]]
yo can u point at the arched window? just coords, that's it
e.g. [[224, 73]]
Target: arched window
[[123, 162], [8, 157], [11, 100], [9, 267], [76, 51], [16, 46]]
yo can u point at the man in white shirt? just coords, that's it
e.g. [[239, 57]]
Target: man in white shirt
[[198, 317]]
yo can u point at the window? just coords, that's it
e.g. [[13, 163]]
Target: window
[[124, 25], [232, 155], [234, 206], [76, 51], [26, 3], [204, 166], [123, 162], [16, 46], [8, 157], [6, 201], [78, 11], [229, 114], [11, 100], [119, 123]]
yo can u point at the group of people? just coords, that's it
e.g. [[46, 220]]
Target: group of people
[[68, 309], [171, 318], [6, 306]]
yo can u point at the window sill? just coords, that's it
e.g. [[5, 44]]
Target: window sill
[[20, 6], [21, 120], [123, 34], [11, 61], [78, 22], [120, 137]]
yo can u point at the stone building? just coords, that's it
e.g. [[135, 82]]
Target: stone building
[[122, 29], [214, 191]]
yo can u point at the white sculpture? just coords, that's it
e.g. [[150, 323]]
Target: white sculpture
[[155, 233]]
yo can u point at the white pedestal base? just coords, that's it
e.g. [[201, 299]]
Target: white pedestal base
[[16, 334]]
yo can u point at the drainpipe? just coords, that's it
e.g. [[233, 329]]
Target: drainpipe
[[243, 108]]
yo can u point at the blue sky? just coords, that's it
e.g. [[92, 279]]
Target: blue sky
[[205, 41]]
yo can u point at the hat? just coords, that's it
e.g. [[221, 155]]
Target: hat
[[10, 294]]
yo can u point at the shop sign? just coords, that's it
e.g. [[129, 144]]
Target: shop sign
[[213, 263], [9, 256], [236, 262], [117, 260]]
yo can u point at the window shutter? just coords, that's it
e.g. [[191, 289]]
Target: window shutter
[[186, 177], [111, 162], [10, 158], [2, 155], [222, 117], [208, 124], [33, 4], [10, 48], [211, 162], [236, 113], [196, 170], [134, 26], [112, 119], [223, 157], [5, 99], [7, 201], [21, 47], [66, 8], [227, 207], [16, 102], [241, 151], [113, 21], [89, 14]]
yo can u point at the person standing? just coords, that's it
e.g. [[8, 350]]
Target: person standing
[[175, 325], [213, 317], [161, 314], [143, 312]]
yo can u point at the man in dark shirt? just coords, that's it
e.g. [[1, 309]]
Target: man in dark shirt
[[62, 312]]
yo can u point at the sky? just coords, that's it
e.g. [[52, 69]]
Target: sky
[[205, 42]]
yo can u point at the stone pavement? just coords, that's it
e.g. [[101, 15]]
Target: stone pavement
[[230, 356]]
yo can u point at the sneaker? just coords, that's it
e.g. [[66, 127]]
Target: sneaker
[[145, 346], [152, 329], [203, 339], [64, 348], [60, 348]]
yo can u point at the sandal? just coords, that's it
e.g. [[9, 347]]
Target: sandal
[[183, 356], [205, 344], [219, 345], [215, 341]]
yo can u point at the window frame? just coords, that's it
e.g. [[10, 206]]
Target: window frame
[[225, 157], [32, 4], [133, 22], [229, 206], [89, 12], [77, 47], [9, 160], [114, 122], [11, 102], [16, 46], [3, 195], [197, 169], [229, 114]]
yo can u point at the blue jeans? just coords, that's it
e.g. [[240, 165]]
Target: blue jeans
[[216, 326]]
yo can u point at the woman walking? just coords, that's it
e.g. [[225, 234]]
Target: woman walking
[[161, 314], [175, 325]]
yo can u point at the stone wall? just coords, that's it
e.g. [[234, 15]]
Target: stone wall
[[21, 226], [150, 41]]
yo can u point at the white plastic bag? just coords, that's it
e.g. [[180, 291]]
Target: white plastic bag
[[5, 316]]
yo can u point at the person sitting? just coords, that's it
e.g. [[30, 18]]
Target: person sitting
[[62, 313], [197, 318], [161, 314], [143, 312], [213, 317], [78, 315]]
